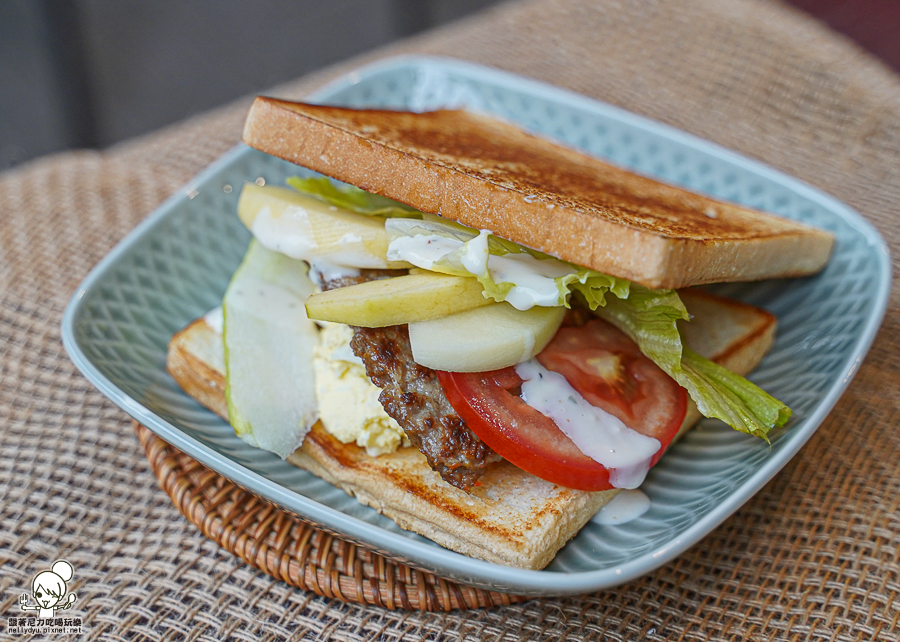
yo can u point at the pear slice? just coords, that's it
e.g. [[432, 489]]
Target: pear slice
[[269, 342], [487, 338], [302, 227], [402, 299]]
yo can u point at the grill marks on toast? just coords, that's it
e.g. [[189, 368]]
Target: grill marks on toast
[[498, 153], [509, 158]]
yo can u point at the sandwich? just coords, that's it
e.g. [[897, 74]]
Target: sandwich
[[518, 309]]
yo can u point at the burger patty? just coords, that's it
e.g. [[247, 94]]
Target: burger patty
[[412, 394]]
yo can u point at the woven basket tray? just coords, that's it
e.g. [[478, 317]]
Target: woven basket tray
[[287, 548]]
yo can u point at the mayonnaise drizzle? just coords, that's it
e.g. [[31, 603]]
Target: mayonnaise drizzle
[[293, 234], [533, 279], [476, 258], [322, 271], [422, 250], [215, 319], [624, 507], [599, 435]]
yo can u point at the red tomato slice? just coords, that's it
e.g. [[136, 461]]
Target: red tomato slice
[[606, 368]]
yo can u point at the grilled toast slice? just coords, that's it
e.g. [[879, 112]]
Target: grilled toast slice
[[490, 175], [512, 517]]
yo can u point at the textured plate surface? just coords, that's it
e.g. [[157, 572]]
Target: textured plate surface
[[176, 264]]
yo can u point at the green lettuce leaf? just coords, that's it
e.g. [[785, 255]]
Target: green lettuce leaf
[[594, 285], [732, 398], [351, 198], [650, 318]]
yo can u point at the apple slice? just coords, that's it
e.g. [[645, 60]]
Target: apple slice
[[482, 339], [302, 227], [269, 342], [402, 299]]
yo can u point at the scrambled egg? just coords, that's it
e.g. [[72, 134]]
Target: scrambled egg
[[348, 402]]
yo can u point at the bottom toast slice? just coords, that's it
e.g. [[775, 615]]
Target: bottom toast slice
[[511, 517]]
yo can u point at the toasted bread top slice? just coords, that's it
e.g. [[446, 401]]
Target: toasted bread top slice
[[491, 175], [511, 517]]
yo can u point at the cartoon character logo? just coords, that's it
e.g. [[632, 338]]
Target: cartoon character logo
[[49, 589]]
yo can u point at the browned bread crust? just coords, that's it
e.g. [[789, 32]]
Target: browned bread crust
[[511, 517], [490, 175]]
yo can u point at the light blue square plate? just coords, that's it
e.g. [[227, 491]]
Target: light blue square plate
[[176, 264]]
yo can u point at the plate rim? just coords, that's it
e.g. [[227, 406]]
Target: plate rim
[[426, 554]]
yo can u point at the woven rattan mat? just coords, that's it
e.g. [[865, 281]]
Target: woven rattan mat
[[294, 551], [813, 556]]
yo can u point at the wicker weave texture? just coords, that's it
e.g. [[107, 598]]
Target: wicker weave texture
[[291, 550], [814, 556]]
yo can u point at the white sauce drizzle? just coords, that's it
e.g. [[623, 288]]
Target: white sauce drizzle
[[533, 279], [292, 234], [422, 250], [215, 319], [475, 258], [322, 271], [624, 507], [599, 435]]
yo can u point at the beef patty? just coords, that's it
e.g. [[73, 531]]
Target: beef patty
[[412, 394]]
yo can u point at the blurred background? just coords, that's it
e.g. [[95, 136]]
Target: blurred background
[[89, 73]]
